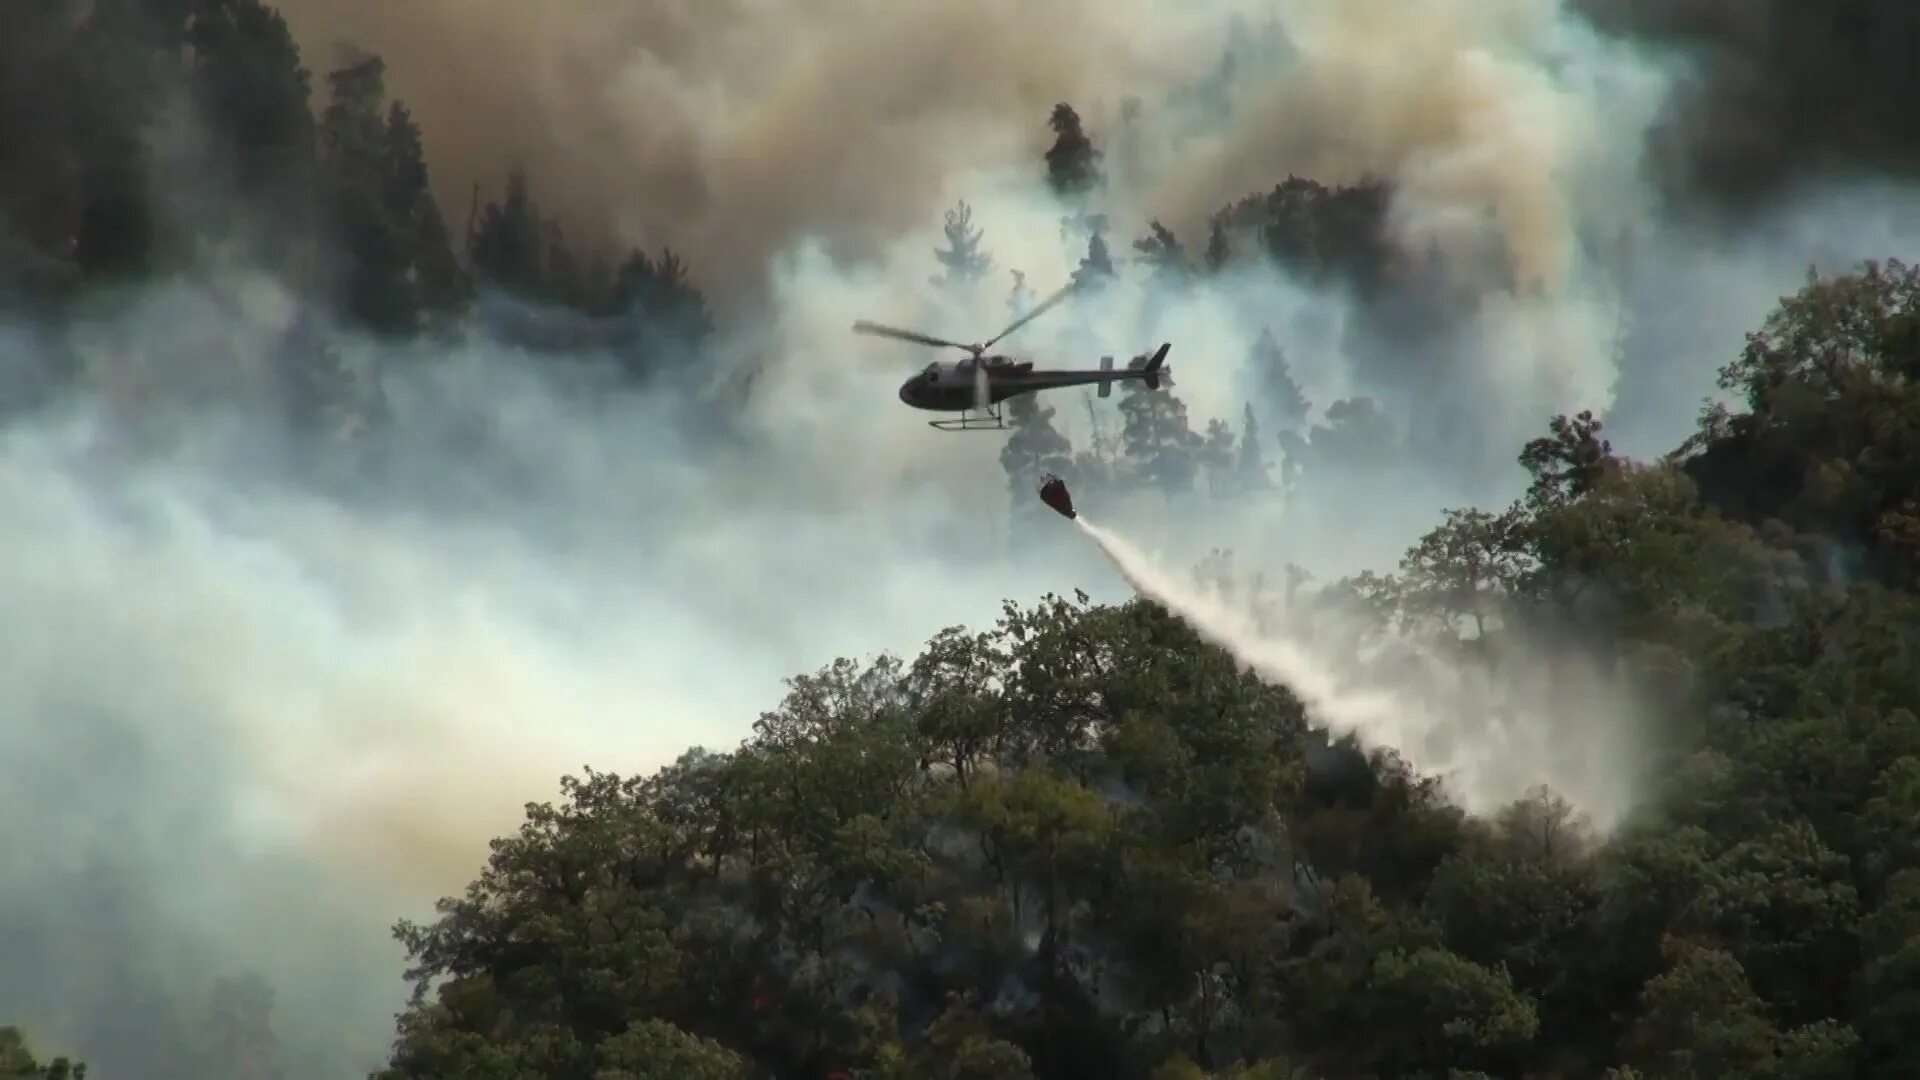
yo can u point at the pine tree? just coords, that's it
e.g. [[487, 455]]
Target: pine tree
[[1163, 253], [1073, 165], [122, 56], [1252, 474], [1267, 365], [250, 86], [672, 320], [1096, 268], [1293, 459], [1216, 455], [1160, 445], [439, 286], [1219, 250], [394, 259], [962, 261], [566, 276], [371, 282], [1094, 467], [323, 395], [509, 245]]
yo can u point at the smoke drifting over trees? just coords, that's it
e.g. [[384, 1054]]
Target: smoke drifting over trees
[[409, 404]]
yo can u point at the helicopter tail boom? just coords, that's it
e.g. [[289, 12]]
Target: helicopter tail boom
[[1152, 369]]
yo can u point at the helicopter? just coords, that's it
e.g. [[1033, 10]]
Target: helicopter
[[976, 386]]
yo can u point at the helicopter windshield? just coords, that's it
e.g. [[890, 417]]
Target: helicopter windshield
[[932, 371]]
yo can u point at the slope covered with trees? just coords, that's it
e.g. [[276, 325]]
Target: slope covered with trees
[[1083, 843]]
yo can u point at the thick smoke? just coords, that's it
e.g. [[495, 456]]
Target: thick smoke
[[731, 129], [266, 697], [1780, 95], [264, 707]]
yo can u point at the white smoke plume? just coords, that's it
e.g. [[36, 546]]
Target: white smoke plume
[[1491, 737]]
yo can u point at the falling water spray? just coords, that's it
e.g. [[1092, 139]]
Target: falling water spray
[[1369, 716], [1484, 737]]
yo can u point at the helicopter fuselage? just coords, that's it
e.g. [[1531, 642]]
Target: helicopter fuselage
[[949, 387]]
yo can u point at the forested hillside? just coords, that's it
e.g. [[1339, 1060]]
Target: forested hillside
[[1082, 842]]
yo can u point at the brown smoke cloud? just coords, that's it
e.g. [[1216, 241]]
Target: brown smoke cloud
[[731, 128], [726, 127]]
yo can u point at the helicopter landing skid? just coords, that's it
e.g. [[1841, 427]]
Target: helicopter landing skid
[[991, 420]]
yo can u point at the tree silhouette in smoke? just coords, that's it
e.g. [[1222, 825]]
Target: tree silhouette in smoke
[[1219, 249], [1020, 296], [1096, 267], [398, 267], [1164, 255], [962, 261], [510, 244], [1270, 373], [1162, 449], [247, 78], [1073, 164], [1253, 473]]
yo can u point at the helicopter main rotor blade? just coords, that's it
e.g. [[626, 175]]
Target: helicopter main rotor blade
[[876, 330], [1034, 314]]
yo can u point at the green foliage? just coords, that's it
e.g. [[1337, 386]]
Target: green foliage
[[1830, 443]]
